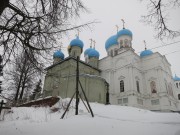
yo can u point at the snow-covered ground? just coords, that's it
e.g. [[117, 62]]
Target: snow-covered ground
[[108, 120]]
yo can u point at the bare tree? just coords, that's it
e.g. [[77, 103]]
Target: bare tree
[[1, 73], [157, 16], [22, 76], [36, 26]]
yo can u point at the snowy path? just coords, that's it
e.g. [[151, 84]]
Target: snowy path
[[108, 120]]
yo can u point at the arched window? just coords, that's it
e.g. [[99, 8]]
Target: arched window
[[115, 52], [179, 96], [121, 86], [177, 85], [126, 43], [153, 87], [121, 43], [137, 85]]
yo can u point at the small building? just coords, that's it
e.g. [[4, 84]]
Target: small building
[[61, 76]]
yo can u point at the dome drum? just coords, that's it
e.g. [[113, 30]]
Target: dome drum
[[122, 38]]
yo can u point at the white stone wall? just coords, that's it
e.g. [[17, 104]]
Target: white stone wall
[[130, 67]]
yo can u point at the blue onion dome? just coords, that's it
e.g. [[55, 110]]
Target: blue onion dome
[[93, 53], [176, 78], [146, 53], [58, 54], [77, 42], [87, 51], [124, 32], [111, 41]]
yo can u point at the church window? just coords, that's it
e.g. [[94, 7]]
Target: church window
[[121, 43], [137, 85], [177, 85], [179, 96], [153, 87], [126, 43], [115, 52], [121, 86]]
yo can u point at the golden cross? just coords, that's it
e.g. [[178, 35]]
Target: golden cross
[[94, 43], [117, 27], [91, 42], [78, 32], [123, 23], [145, 44]]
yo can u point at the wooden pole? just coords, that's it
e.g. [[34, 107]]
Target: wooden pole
[[77, 84], [68, 106], [77, 94], [84, 103]]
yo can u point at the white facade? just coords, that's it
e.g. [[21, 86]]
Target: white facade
[[144, 82]]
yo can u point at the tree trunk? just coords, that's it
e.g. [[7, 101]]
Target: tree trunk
[[18, 88], [20, 80]]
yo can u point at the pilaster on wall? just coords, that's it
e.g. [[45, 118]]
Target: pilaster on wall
[[131, 85], [160, 80]]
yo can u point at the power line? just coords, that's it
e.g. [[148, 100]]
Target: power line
[[166, 45], [163, 45]]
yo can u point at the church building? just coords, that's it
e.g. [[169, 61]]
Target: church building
[[143, 81]]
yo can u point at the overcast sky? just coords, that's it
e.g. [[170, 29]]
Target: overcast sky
[[110, 12]]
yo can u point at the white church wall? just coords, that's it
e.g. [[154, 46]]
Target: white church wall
[[130, 67]]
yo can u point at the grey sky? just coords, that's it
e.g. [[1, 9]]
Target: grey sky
[[110, 13]]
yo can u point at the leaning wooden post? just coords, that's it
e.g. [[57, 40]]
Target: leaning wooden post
[[86, 100]]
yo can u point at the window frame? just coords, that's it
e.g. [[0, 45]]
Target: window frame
[[121, 86], [137, 86]]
